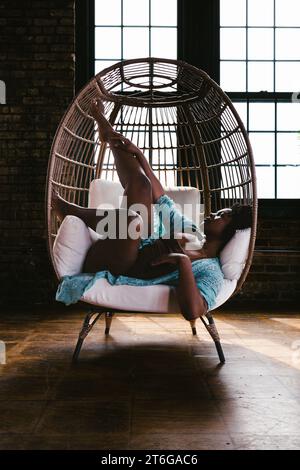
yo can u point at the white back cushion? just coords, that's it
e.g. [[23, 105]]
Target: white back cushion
[[234, 254], [188, 200], [109, 194], [71, 246]]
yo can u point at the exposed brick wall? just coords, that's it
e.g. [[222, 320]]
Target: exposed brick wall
[[37, 65], [274, 276]]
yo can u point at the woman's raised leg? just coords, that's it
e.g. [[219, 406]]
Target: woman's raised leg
[[118, 142], [113, 253], [137, 185]]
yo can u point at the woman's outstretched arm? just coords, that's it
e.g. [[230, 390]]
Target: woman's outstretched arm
[[189, 297], [191, 301]]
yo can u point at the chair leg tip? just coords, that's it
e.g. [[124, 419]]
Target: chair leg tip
[[220, 352], [194, 330], [106, 331]]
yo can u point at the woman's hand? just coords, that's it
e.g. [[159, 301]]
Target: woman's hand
[[172, 258]]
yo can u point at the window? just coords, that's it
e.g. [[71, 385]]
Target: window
[[250, 47], [125, 29], [260, 69]]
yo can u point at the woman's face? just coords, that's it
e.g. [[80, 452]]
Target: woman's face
[[215, 224]]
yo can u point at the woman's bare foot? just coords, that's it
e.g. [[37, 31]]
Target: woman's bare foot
[[96, 108], [106, 131], [104, 127]]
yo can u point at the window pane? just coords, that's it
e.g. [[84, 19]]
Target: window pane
[[107, 43], [288, 148], [136, 12], [263, 146], [262, 117], [265, 182], [141, 139], [167, 178], [233, 76], [143, 117], [242, 111], [287, 44], [164, 42], [103, 64], [288, 182], [260, 76], [287, 12], [227, 7], [164, 13], [260, 13], [287, 76], [288, 116], [233, 43], [136, 42], [108, 12], [260, 44]]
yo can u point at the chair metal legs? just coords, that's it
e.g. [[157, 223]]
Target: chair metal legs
[[88, 324], [210, 325], [108, 320], [193, 326]]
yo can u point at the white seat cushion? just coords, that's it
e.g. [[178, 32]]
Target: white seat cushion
[[74, 239], [157, 299]]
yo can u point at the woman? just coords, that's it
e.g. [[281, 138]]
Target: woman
[[195, 273]]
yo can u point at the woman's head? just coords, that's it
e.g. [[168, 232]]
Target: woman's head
[[221, 226]]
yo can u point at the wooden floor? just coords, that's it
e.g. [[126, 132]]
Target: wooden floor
[[150, 384]]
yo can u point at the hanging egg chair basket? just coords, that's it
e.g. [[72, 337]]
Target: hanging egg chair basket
[[184, 123]]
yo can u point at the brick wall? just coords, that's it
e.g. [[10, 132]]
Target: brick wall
[[274, 276], [37, 64]]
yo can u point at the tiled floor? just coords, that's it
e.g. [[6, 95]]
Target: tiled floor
[[150, 384]]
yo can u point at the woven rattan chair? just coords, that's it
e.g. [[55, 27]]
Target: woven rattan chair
[[186, 126]]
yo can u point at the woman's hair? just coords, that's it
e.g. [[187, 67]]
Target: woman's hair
[[241, 218]]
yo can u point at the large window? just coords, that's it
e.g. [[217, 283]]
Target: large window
[[251, 47], [126, 29], [260, 70]]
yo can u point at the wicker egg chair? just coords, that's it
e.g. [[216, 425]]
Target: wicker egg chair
[[186, 126]]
